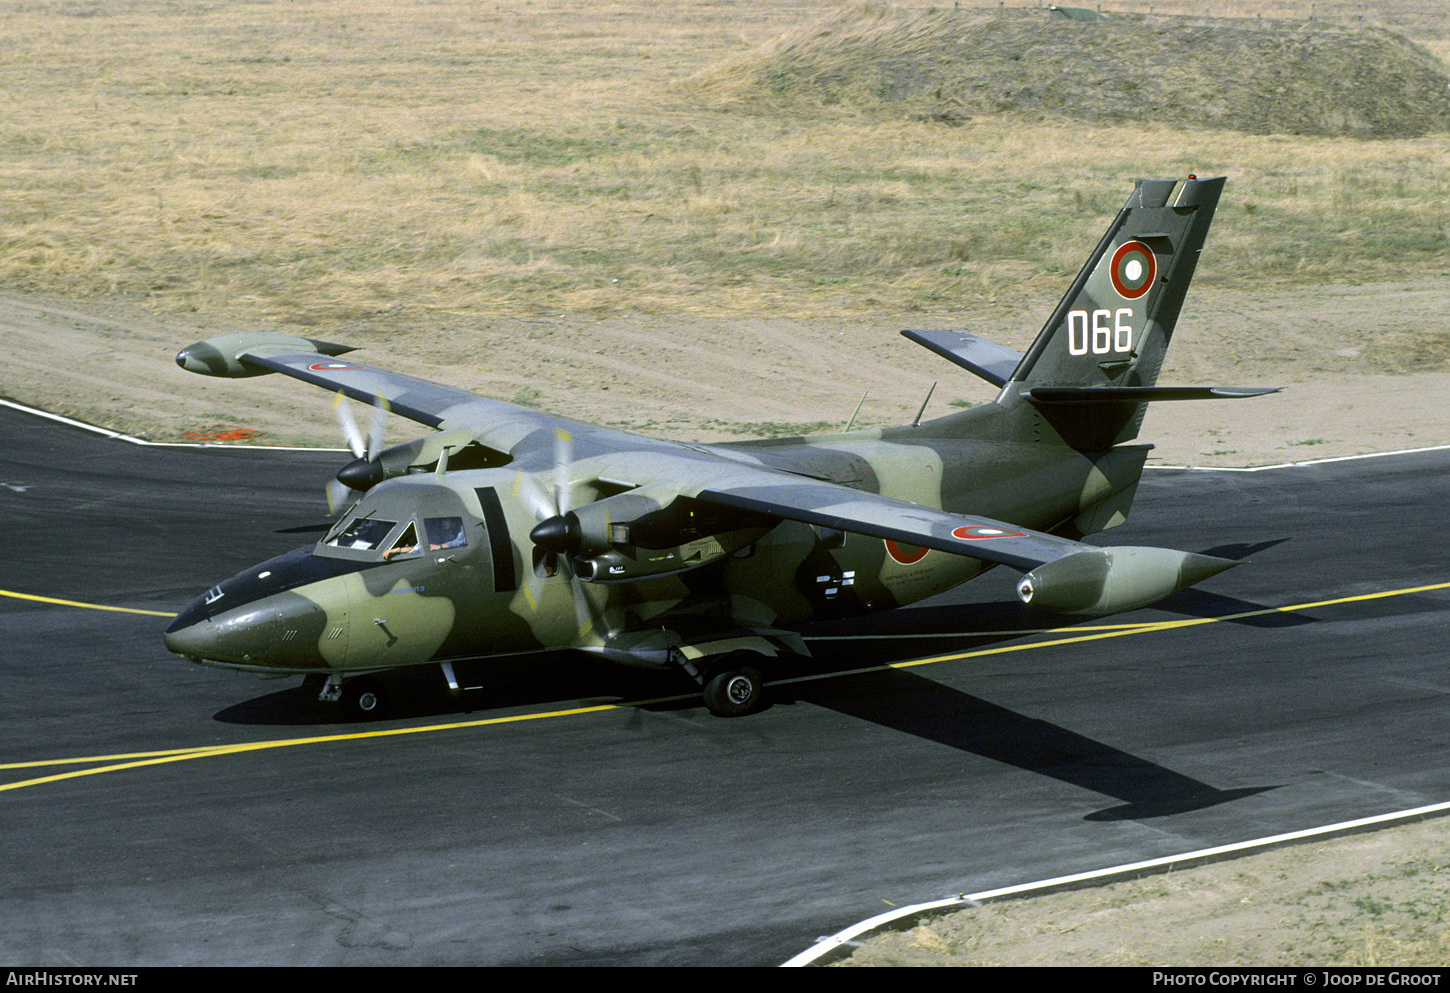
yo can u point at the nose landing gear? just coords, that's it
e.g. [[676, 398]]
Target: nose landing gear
[[361, 698]]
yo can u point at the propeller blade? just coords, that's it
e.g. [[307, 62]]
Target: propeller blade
[[563, 462], [350, 432], [364, 471], [540, 503], [585, 613], [556, 537], [340, 497], [378, 427]]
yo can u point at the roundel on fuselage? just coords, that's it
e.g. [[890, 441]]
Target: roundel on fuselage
[[904, 553]]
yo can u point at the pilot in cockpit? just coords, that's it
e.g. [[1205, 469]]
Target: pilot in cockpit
[[443, 532]]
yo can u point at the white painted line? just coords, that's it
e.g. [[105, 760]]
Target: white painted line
[[132, 439], [75, 424], [840, 938], [202, 444], [827, 945], [1295, 465]]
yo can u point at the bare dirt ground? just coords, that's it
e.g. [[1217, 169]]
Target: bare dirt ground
[[1365, 368], [1367, 900]]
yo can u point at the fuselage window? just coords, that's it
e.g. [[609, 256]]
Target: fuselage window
[[364, 534]]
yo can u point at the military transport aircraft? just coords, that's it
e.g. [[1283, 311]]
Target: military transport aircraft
[[512, 530]]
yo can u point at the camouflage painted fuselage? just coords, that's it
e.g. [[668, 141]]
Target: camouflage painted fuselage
[[329, 607]]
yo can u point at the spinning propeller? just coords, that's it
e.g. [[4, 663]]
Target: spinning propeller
[[558, 532], [374, 463], [365, 469], [557, 535]]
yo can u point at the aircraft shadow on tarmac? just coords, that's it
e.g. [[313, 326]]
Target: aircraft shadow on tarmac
[[907, 702], [849, 680]]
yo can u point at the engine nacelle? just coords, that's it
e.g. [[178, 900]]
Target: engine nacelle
[[607, 522], [1109, 580], [628, 563], [637, 534]]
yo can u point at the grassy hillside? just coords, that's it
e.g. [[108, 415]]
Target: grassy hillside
[[324, 161], [951, 65]]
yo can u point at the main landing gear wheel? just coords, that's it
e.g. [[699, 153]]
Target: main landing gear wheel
[[731, 691], [362, 699]]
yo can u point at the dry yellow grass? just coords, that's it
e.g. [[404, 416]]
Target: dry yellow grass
[[322, 161]]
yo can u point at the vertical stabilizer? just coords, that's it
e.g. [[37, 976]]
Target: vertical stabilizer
[[1114, 324]]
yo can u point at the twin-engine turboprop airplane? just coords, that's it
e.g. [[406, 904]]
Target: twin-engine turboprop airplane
[[512, 530]]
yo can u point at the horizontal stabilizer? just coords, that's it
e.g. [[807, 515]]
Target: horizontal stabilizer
[[991, 361], [1142, 394]]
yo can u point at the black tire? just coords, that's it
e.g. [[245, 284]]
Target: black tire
[[731, 691], [363, 699]]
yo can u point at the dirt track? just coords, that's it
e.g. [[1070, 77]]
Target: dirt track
[[1366, 368]]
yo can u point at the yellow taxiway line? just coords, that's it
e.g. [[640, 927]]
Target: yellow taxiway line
[[88, 606], [1153, 626], [119, 762]]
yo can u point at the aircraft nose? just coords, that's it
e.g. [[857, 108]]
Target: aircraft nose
[[192, 641], [288, 613], [284, 632], [240, 636]]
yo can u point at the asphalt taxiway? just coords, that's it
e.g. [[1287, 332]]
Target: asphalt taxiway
[[154, 812]]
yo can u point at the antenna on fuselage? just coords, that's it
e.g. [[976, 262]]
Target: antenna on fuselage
[[855, 412], [917, 422]]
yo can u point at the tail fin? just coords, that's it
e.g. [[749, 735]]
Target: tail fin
[[1093, 367]]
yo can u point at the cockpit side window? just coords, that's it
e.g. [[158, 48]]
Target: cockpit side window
[[407, 543], [445, 532]]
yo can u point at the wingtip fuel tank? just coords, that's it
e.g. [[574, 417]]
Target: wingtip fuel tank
[[1110, 580]]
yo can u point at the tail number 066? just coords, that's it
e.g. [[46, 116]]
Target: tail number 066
[[1105, 332]]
